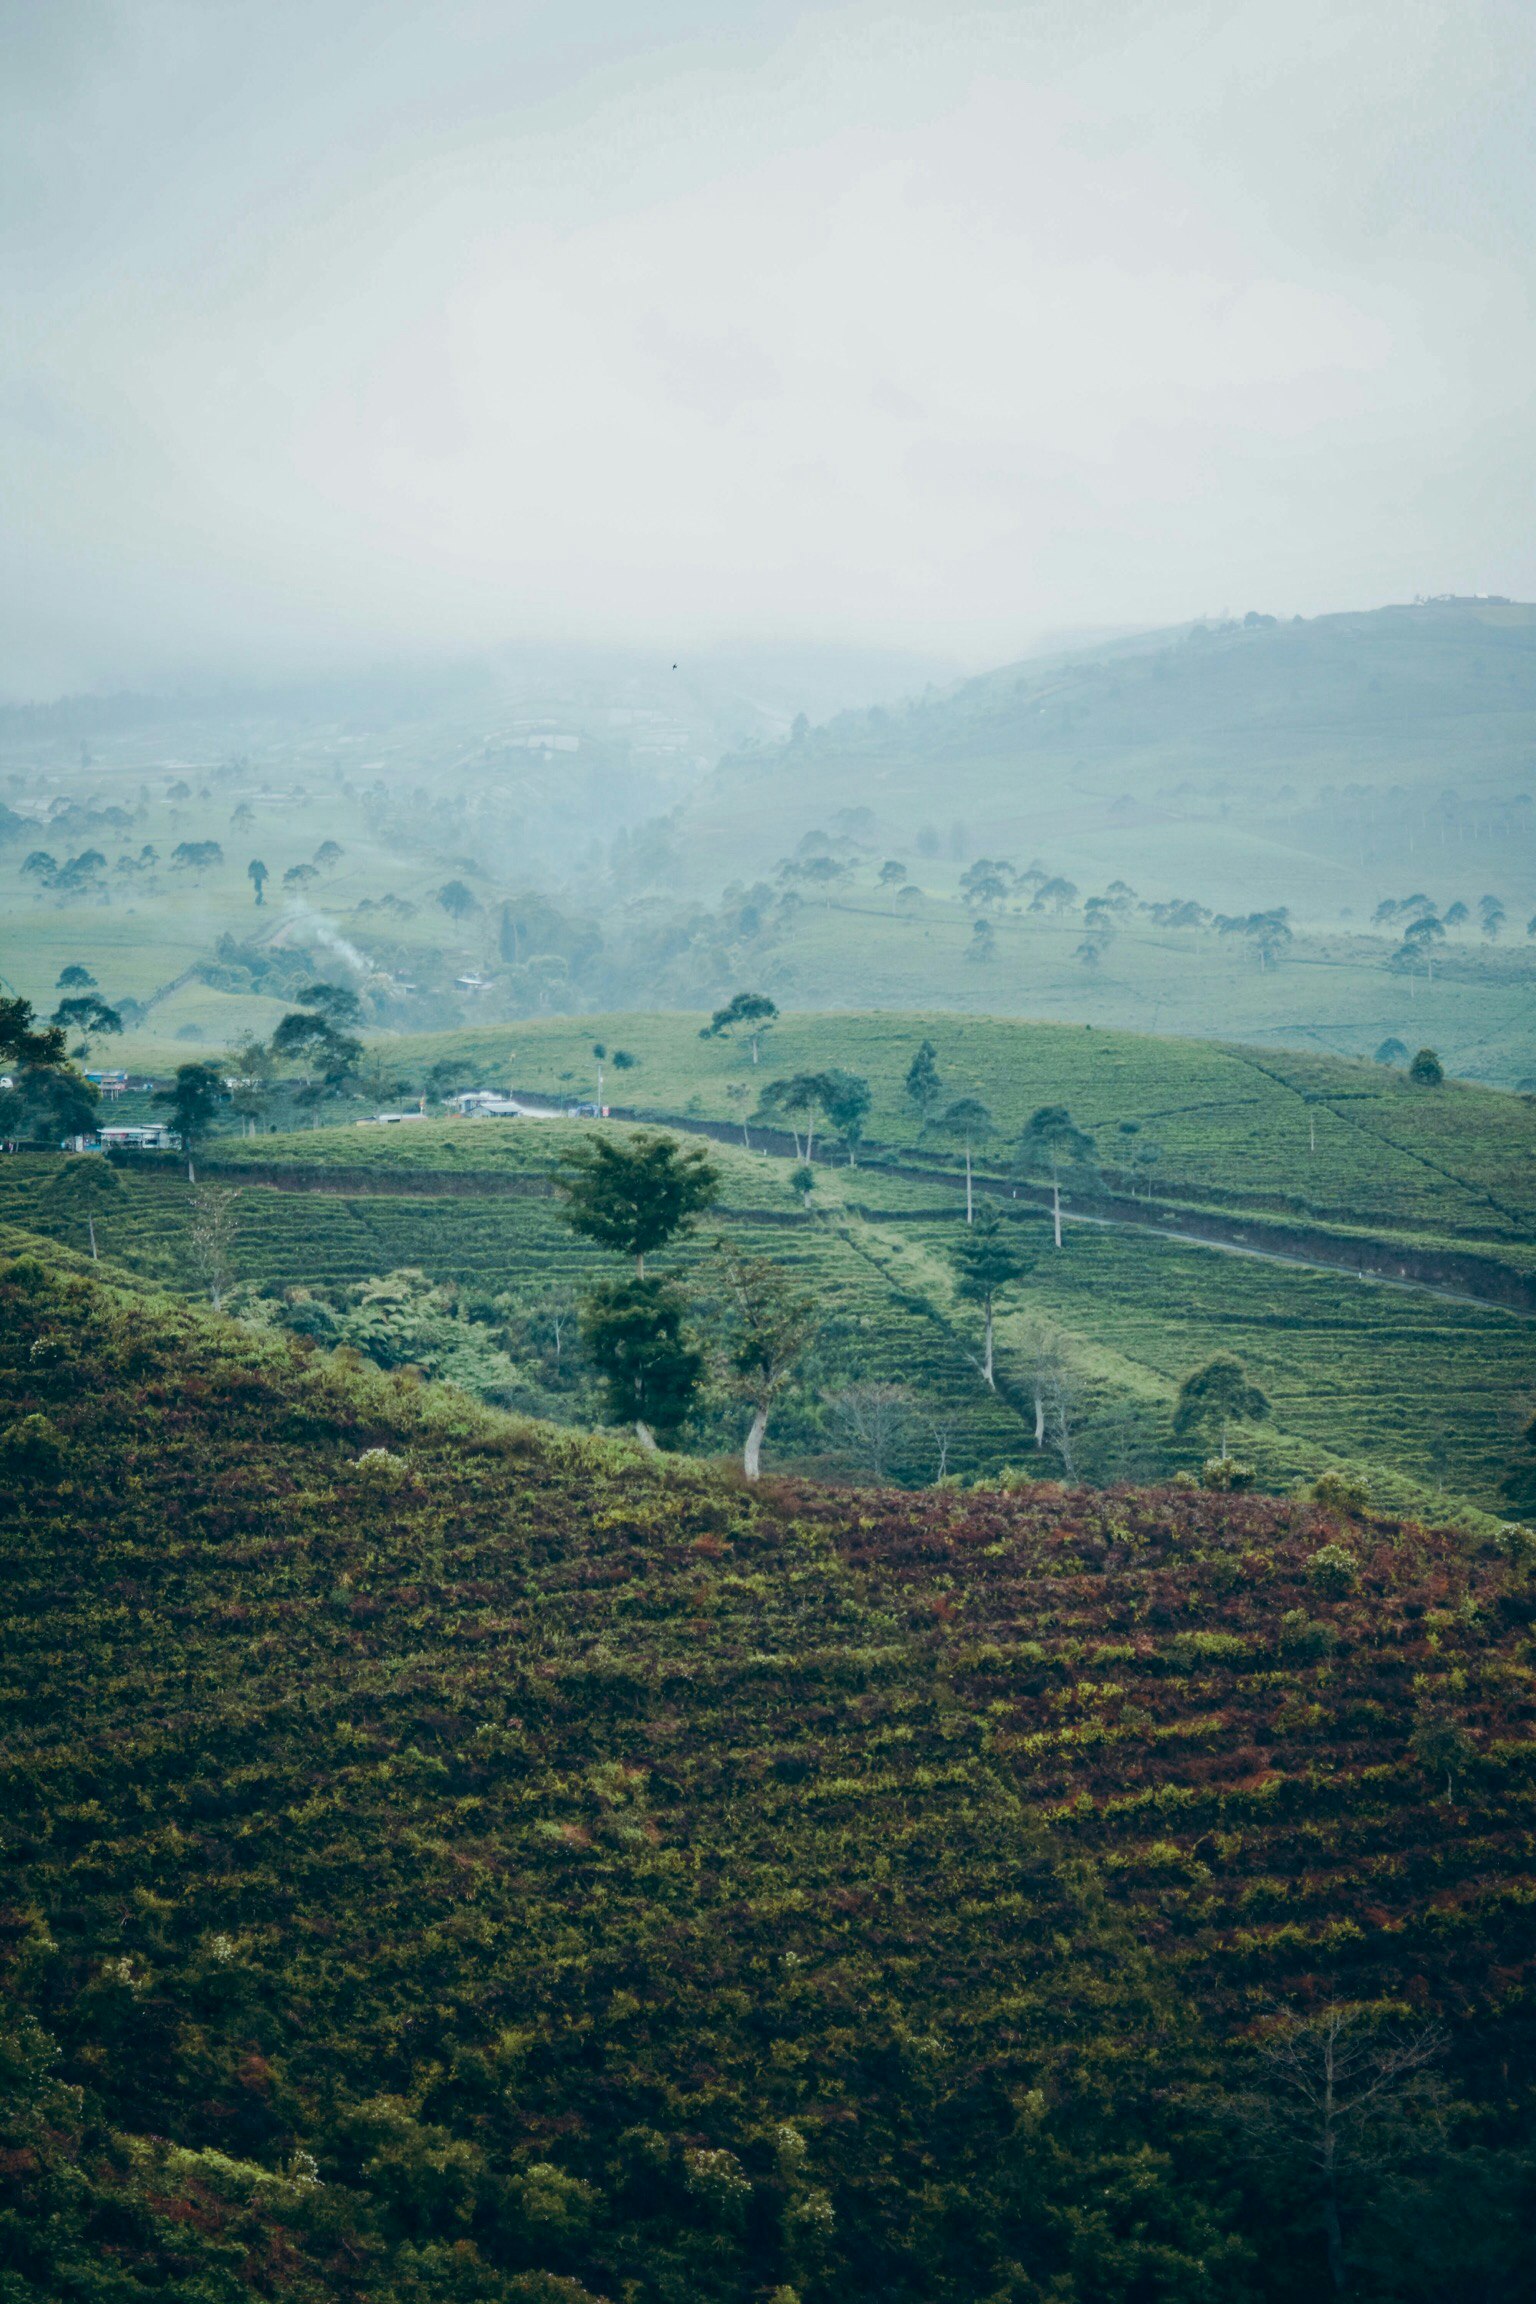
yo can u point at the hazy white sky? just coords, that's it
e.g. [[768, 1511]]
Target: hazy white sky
[[346, 326]]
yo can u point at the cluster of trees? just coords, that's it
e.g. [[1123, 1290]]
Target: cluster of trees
[[636, 1197], [841, 1098], [298, 876], [639, 1196], [1425, 1069], [316, 1034], [1423, 926], [1267, 934], [45, 1093], [78, 876]]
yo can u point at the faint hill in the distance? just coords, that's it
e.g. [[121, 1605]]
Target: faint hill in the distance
[[1318, 763]]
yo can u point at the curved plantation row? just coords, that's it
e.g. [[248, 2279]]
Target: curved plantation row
[[452, 1863]]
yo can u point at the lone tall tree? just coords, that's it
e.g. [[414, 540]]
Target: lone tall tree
[[635, 1194], [969, 1122], [317, 1031], [771, 1326], [633, 1330], [923, 1085], [986, 1261], [750, 1012], [258, 876], [193, 1096], [1052, 1141], [89, 1015], [846, 1100], [1216, 1396], [456, 899]]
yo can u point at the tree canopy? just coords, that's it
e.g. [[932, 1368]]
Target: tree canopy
[[193, 1097], [1051, 1140], [635, 1194], [1216, 1396], [923, 1085], [633, 1331], [750, 1012], [771, 1323], [987, 1258]]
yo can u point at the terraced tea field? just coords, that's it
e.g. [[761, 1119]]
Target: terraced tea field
[[1422, 1395], [1341, 1142]]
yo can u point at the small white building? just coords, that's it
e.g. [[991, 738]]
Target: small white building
[[151, 1138], [488, 1104]]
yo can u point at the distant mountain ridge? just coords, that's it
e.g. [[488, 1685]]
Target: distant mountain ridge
[[1319, 758]]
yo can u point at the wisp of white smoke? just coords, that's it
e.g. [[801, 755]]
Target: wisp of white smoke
[[303, 922]]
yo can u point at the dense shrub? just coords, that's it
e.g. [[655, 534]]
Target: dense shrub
[[451, 1862]]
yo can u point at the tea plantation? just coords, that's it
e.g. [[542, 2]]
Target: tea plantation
[[449, 1862], [1420, 1396], [1348, 1143]]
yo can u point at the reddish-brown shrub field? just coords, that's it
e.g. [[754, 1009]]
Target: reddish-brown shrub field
[[447, 1860]]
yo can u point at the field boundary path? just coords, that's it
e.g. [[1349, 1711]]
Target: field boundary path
[[1457, 1276]]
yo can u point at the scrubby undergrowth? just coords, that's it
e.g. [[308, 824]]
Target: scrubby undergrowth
[[447, 1861]]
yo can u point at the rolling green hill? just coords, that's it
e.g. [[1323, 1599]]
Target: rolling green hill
[[1419, 1393], [452, 1863], [1350, 1143], [1320, 764]]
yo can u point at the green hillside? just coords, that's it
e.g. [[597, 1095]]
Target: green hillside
[[450, 1863], [1320, 764], [455, 876], [1345, 1142], [1420, 1395]]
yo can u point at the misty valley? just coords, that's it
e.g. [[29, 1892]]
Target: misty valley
[[767, 1154]]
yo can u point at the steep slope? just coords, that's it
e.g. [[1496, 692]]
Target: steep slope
[[455, 1862], [1318, 764]]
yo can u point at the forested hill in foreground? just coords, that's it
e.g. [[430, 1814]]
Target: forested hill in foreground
[[453, 1863], [1320, 763]]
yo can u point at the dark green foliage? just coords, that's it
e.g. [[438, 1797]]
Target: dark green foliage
[[1520, 1480], [1053, 1141], [633, 1331], [1426, 1070], [193, 1098], [87, 1012], [798, 1099], [22, 1040], [846, 1101], [50, 1098], [635, 1194], [987, 1258], [31, 1447], [316, 1034], [1219, 1394], [611, 1881], [968, 1120], [750, 1012], [337, 1003], [768, 1325], [922, 1083]]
